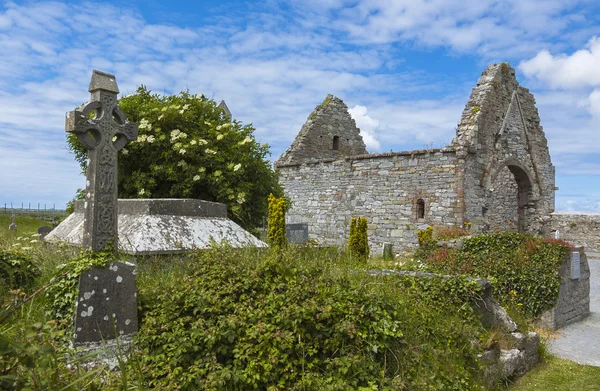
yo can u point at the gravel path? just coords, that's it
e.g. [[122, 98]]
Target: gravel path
[[580, 342]]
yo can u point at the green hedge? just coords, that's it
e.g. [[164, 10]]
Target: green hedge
[[305, 320], [524, 269]]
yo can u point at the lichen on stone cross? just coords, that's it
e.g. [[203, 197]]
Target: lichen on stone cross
[[102, 127]]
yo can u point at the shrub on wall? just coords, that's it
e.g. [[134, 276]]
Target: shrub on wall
[[305, 320], [358, 241], [525, 269], [276, 230]]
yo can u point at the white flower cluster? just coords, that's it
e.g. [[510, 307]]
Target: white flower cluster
[[145, 124], [176, 134], [145, 138], [209, 151], [246, 141]]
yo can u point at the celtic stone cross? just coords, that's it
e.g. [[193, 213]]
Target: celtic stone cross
[[102, 127]]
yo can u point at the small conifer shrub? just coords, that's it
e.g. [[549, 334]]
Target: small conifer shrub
[[276, 233], [358, 242]]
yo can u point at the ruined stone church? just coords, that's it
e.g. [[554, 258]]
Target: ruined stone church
[[495, 175]]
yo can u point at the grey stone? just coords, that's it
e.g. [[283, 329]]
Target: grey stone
[[44, 230], [511, 361], [106, 305], [96, 134], [13, 225], [329, 133], [582, 229], [573, 303], [580, 341], [163, 226], [223, 106], [296, 233], [575, 265]]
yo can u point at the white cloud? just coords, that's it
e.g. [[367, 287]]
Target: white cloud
[[495, 28], [367, 125], [580, 69]]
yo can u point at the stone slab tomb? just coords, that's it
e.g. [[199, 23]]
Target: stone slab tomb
[[163, 226], [106, 306]]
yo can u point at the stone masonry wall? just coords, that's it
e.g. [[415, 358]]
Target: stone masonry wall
[[329, 133], [499, 128], [502, 213], [583, 229], [385, 188], [573, 302]]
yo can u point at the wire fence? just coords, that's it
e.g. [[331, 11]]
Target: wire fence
[[34, 210]]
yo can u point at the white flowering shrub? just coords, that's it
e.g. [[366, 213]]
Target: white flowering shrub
[[188, 148]]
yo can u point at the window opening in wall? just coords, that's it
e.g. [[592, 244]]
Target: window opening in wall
[[336, 143], [420, 209]]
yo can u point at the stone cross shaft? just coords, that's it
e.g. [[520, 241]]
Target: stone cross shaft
[[102, 127]]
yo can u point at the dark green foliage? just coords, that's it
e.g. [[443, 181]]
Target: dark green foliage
[[358, 241], [524, 269], [62, 294], [188, 148], [17, 271], [305, 320]]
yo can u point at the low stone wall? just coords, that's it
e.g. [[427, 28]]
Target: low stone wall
[[574, 296], [583, 229]]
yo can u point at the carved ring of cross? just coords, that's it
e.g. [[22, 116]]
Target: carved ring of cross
[[88, 129]]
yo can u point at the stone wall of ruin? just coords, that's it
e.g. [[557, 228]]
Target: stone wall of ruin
[[583, 229], [500, 128], [385, 188]]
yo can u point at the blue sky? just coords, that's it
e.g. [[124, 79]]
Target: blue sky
[[404, 68]]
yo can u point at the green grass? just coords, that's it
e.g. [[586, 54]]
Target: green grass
[[556, 374], [25, 225]]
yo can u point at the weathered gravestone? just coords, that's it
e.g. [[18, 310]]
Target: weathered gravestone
[[107, 296], [44, 230], [107, 304], [387, 251], [12, 226], [297, 233], [103, 129]]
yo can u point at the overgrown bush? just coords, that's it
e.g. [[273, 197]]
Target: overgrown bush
[[62, 294], [358, 241], [17, 270], [305, 320], [525, 269], [276, 230]]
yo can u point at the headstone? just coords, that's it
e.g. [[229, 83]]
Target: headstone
[[102, 127], [44, 230], [12, 226], [106, 306], [387, 251], [557, 234], [297, 233], [575, 265]]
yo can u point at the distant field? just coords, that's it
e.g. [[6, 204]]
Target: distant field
[[25, 225]]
